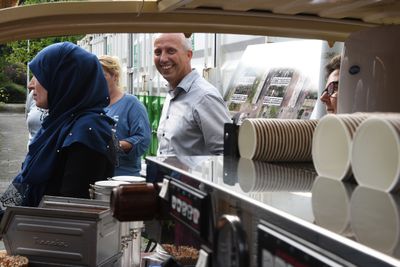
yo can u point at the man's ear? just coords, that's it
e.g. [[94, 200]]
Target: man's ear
[[190, 54]]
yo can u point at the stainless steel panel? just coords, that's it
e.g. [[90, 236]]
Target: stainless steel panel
[[62, 231]]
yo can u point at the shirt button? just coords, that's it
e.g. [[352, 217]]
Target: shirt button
[[160, 152], [167, 117], [163, 134]]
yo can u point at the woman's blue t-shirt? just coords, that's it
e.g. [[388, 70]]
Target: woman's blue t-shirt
[[132, 125]]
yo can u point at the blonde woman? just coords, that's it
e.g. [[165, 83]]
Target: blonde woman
[[132, 123]]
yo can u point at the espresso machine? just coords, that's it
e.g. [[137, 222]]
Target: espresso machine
[[238, 212]]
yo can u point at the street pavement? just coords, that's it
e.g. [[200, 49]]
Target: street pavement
[[13, 148]]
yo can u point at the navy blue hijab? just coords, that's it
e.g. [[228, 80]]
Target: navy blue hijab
[[77, 93]]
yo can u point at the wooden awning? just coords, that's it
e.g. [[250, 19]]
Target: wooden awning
[[331, 20]]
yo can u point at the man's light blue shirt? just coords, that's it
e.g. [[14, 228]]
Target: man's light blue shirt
[[193, 118]]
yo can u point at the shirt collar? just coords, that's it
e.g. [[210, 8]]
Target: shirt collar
[[185, 84]]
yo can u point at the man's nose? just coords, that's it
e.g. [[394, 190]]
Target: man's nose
[[163, 57]]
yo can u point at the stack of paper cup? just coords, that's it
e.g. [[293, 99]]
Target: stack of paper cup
[[331, 204], [276, 139], [332, 144], [375, 219], [257, 176], [376, 152]]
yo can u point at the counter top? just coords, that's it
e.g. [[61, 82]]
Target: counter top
[[364, 219]]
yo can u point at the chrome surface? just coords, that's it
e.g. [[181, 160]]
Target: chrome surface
[[360, 226]]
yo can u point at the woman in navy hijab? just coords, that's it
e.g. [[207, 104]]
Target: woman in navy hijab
[[74, 146]]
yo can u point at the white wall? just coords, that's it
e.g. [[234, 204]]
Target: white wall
[[215, 56]]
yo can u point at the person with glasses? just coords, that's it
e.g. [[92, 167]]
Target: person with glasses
[[330, 94]]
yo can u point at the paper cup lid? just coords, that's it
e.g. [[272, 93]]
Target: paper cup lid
[[129, 179], [109, 183]]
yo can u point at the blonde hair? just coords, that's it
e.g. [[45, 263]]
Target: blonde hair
[[111, 65]]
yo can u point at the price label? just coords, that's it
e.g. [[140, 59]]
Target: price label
[[203, 259], [164, 189]]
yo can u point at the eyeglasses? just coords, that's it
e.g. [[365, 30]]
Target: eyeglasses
[[331, 88]]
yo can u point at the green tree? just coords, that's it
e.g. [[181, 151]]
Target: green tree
[[3, 77], [18, 52], [14, 57], [21, 52]]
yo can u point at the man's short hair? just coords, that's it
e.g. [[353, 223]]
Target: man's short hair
[[187, 43], [334, 64]]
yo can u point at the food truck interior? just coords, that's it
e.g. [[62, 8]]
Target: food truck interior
[[225, 210]]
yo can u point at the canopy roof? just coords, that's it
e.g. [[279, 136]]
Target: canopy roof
[[331, 20]]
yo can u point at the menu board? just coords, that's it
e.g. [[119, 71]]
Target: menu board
[[246, 90], [278, 80]]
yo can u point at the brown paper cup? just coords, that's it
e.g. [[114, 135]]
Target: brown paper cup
[[276, 140], [257, 176]]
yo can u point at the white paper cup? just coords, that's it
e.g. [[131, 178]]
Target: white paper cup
[[129, 179], [103, 189], [278, 140], [257, 176], [331, 145], [375, 219], [331, 204], [376, 153]]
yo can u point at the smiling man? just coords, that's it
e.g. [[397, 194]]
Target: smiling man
[[194, 113]]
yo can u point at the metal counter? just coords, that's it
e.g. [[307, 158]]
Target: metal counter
[[346, 224]]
